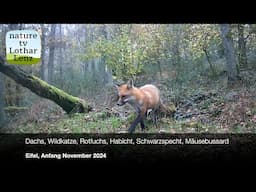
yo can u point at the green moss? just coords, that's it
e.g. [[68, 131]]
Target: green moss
[[68, 102], [15, 108], [53, 90]]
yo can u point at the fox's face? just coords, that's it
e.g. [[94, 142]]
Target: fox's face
[[125, 93]]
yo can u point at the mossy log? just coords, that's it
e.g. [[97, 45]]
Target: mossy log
[[67, 102]]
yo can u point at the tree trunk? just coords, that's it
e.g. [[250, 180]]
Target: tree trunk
[[51, 54], [18, 94], [2, 113], [2, 82], [176, 46], [213, 73], [229, 52], [68, 102], [42, 67], [242, 58], [61, 55]]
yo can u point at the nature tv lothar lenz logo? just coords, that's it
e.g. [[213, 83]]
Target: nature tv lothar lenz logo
[[23, 47]]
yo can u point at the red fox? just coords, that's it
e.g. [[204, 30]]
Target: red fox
[[142, 99]]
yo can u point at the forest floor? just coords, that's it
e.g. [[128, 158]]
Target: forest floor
[[210, 107]]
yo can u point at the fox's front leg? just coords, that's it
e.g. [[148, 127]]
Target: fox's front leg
[[142, 125], [134, 124], [139, 119]]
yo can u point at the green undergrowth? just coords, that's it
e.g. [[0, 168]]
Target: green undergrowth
[[77, 123], [99, 122]]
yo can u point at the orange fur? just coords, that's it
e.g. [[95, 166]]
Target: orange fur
[[142, 99]]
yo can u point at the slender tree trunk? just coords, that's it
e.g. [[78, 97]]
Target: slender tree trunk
[[229, 52], [2, 113], [209, 61], [176, 45], [51, 53], [108, 72], [42, 67], [103, 59], [18, 93], [60, 56], [242, 58], [68, 102], [2, 82]]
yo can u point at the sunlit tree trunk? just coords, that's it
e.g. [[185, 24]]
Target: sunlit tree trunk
[[229, 52]]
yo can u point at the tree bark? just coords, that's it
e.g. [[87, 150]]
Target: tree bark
[[176, 46], [242, 58], [229, 52], [2, 113], [68, 102], [2, 82], [213, 73], [61, 55], [42, 67], [51, 53]]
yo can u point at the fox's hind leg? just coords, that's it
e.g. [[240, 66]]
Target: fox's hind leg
[[155, 112], [142, 125]]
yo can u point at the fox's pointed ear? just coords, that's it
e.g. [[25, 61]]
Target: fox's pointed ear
[[130, 84]]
